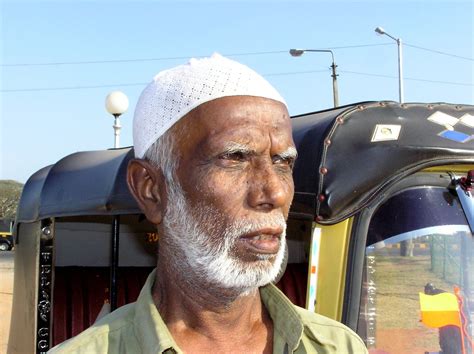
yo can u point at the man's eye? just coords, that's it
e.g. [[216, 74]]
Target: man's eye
[[234, 156], [286, 161]]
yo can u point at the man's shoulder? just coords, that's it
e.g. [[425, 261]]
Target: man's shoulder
[[98, 338], [312, 318], [328, 331]]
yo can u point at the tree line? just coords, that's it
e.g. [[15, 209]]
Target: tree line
[[10, 192]]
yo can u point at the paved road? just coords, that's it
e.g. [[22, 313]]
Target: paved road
[[6, 291], [6, 259]]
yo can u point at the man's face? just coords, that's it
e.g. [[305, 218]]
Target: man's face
[[227, 212]]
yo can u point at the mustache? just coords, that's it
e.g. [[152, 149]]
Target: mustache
[[244, 226]]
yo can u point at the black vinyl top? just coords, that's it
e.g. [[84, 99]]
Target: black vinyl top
[[84, 183], [347, 156], [338, 171]]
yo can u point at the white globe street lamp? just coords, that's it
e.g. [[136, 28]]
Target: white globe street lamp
[[382, 32], [116, 104]]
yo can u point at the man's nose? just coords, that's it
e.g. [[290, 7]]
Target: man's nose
[[269, 189]]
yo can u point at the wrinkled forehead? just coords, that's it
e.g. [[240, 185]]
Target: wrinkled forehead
[[239, 119], [237, 110]]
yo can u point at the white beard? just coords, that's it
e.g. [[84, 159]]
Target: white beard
[[206, 246]]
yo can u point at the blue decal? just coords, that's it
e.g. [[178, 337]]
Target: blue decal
[[455, 136]]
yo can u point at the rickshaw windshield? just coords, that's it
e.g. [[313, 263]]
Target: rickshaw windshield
[[418, 294]]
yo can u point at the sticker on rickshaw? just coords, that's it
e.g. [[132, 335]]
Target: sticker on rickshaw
[[386, 132]]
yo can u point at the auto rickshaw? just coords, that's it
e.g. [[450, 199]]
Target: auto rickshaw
[[6, 236], [381, 225]]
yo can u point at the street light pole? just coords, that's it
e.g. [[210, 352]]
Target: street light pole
[[381, 31], [400, 71], [116, 104], [117, 128], [335, 92]]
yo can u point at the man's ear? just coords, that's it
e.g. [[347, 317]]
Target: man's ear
[[146, 183]]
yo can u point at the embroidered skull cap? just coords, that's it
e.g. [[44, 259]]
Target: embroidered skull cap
[[175, 92]]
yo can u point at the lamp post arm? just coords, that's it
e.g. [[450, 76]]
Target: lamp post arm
[[389, 35], [321, 51]]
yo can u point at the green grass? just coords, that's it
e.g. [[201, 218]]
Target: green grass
[[398, 282]]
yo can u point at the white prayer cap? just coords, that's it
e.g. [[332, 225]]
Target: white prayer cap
[[175, 92]]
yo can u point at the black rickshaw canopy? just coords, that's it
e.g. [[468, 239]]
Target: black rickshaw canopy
[[346, 156], [84, 183]]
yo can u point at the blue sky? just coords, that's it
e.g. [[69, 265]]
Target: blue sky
[[57, 108]]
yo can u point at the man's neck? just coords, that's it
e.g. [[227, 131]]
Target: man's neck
[[201, 316]]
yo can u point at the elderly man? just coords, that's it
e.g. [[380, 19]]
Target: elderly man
[[213, 171]]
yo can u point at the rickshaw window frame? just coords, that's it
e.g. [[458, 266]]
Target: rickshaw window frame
[[358, 239]]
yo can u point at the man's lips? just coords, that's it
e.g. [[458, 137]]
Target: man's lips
[[263, 241]]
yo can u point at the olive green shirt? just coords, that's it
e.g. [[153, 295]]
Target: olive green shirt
[[139, 328]]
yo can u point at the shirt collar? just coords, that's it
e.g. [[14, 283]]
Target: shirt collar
[[285, 318], [288, 320], [151, 330]]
